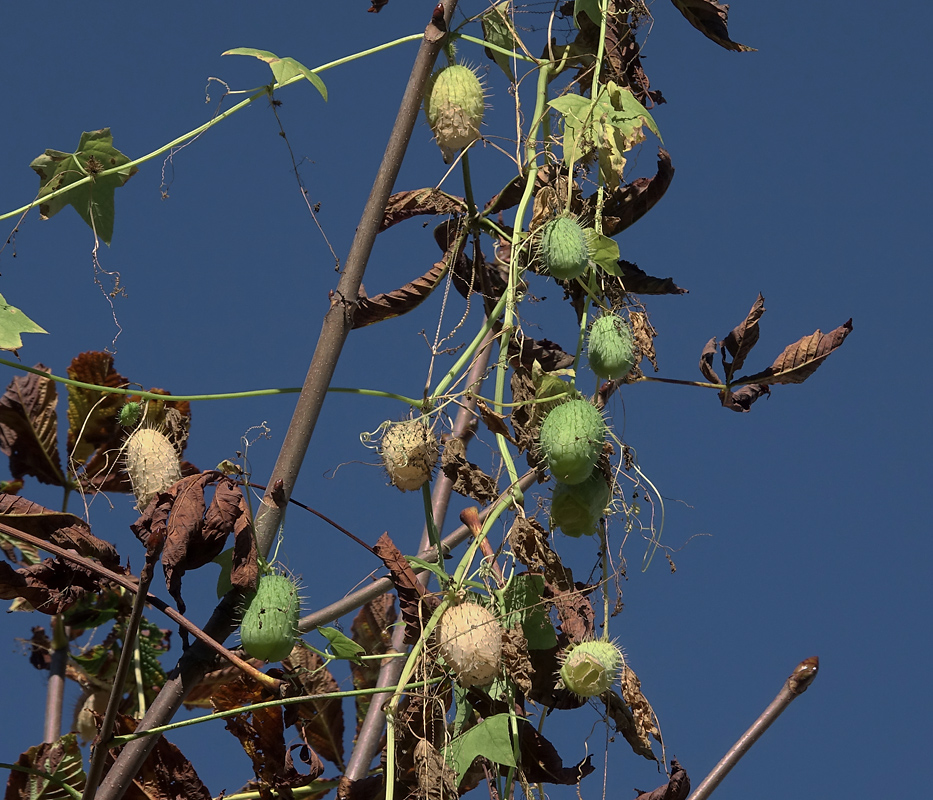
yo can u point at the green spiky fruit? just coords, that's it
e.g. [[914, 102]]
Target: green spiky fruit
[[591, 668], [454, 104], [564, 248], [576, 509], [270, 622], [470, 641], [409, 452], [129, 414], [151, 463], [611, 349], [571, 440]]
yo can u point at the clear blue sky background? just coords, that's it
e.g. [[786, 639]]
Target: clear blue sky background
[[802, 528]]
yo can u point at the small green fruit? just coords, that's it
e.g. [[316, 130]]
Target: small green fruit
[[591, 668], [470, 641], [611, 350], [409, 452], [564, 248], [576, 509], [270, 622], [571, 440], [454, 104], [129, 414], [152, 464]]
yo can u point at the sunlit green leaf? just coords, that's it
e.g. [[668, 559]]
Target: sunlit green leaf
[[283, 69], [93, 200], [13, 322], [491, 738], [343, 646], [605, 252], [497, 30]]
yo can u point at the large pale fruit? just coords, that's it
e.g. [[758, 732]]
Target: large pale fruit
[[454, 104], [564, 248], [576, 509], [591, 668], [571, 440], [409, 452], [270, 622], [470, 641], [152, 464], [611, 350]]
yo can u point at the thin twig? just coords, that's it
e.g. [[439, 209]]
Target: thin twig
[[798, 682]]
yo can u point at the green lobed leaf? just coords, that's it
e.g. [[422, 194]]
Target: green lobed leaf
[[283, 69], [497, 30], [604, 252], [523, 604], [491, 738], [93, 200], [342, 645], [13, 322]]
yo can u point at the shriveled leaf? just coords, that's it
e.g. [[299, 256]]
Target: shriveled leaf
[[741, 339], [627, 204], [92, 200], [623, 53], [541, 763], [711, 19], [320, 721], [60, 772], [370, 310], [467, 478], [643, 333], [633, 715], [493, 421], [435, 779], [677, 787], [92, 417], [577, 618], [283, 69], [412, 597], [51, 586], [165, 774], [636, 281], [516, 660], [371, 628], [13, 322], [741, 400], [29, 428], [706, 360], [491, 738], [497, 30], [529, 542], [418, 202], [57, 527], [802, 358]]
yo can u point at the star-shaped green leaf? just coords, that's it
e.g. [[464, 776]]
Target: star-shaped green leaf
[[283, 69], [13, 322], [96, 162]]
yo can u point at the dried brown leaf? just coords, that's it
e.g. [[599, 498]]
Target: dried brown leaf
[[706, 360], [320, 721], [711, 19], [629, 203], [494, 422], [741, 400], [515, 658], [51, 586], [467, 478], [741, 339], [370, 310], [541, 763], [92, 416], [413, 600], [636, 281], [528, 541], [165, 774], [802, 358], [29, 428], [677, 787], [61, 759], [418, 202]]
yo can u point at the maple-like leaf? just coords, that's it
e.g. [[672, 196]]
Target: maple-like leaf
[[92, 163], [13, 322], [283, 69]]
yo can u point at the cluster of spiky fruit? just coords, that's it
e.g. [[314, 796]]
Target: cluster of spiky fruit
[[611, 349], [454, 105], [576, 509], [469, 639], [409, 452], [269, 627], [590, 668]]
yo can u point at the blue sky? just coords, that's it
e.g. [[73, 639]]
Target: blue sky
[[799, 529]]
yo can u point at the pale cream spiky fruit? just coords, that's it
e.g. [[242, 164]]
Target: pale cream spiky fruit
[[590, 668], [454, 105], [152, 464], [470, 641], [409, 452]]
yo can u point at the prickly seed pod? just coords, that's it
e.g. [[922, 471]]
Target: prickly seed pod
[[564, 248], [454, 104], [129, 414], [409, 452], [611, 349], [571, 440], [591, 668], [576, 509], [270, 621], [470, 641], [152, 464]]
